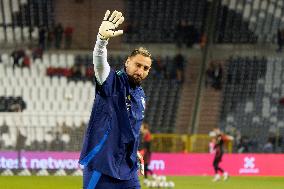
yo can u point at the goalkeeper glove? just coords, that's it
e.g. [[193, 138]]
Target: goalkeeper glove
[[109, 24], [140, 163]]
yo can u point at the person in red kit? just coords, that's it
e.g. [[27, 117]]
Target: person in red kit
[[146, 148], [218, 148]]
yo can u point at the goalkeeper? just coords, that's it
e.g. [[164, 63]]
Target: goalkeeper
[[109, 152]]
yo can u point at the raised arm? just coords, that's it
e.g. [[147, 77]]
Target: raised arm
[[106, 31]]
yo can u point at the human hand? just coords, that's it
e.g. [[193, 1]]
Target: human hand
[[109, 24]]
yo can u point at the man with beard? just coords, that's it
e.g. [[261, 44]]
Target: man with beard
[[109, 153]]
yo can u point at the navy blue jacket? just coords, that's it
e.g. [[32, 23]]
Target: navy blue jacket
[[112, 137]]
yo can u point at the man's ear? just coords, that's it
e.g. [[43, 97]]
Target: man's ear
[[126, 63]]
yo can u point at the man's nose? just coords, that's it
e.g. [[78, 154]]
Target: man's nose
[[139, 71]]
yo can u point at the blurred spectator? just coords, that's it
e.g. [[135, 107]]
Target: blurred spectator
[[57, 144], [179, 62], [181, 33], [26, 61], [21, 140], [58, 32], [78, 72], [43, 145], [28, 51], [218, 75], [65, 128], [37, 53], [16, 105], [214, 75], [16, 58], [50, 38], [158, 67], [4, 128], [186, 34], [2, 144], [12, 104], [243, 146], [192, 35], [210, 75], [35, 145], [21, 57], [42, 37], [276, 141], [203, 41], [68, 32], [18, 55], [268, 146], [27, 58]]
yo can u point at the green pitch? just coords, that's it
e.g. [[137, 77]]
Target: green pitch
[[69, 182]]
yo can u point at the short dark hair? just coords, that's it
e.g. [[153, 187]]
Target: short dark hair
[[141, 50]]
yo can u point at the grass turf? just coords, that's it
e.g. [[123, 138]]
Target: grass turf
[[69, 182]]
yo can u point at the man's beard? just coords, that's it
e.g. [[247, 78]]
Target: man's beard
[[134, 81]]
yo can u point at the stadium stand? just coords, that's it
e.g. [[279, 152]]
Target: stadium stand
[[157, 20], [231, 26], [251, 96], [249, 21], [238, 21], [20, 20]]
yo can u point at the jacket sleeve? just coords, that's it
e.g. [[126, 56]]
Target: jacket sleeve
[[101, 66]]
